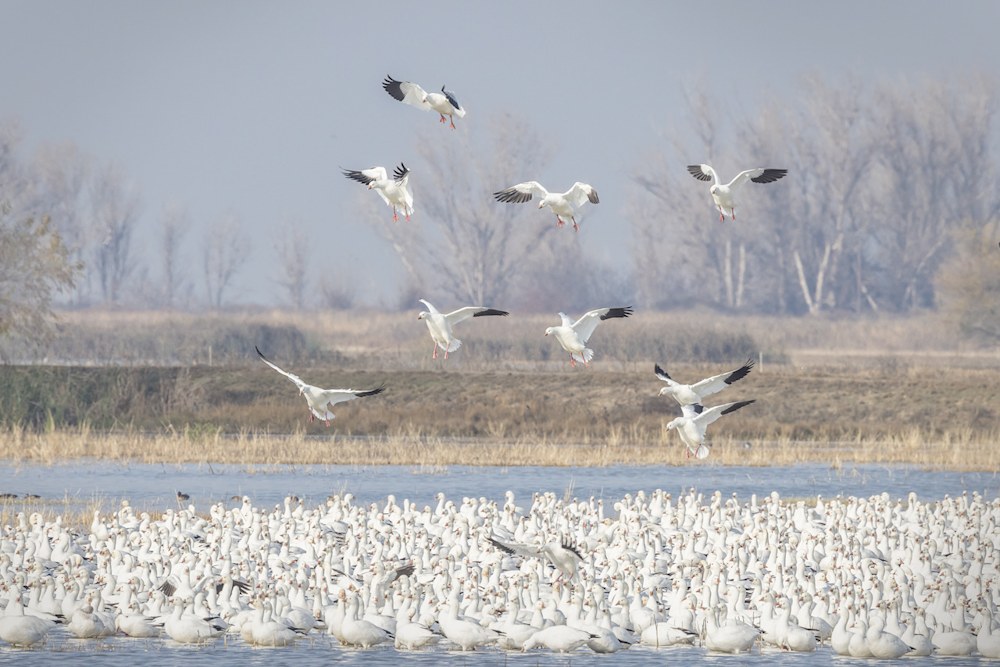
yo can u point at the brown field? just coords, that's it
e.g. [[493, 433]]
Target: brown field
[[885, 390]]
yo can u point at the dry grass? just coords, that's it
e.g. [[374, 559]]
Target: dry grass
[[889, 390], [960, 450]]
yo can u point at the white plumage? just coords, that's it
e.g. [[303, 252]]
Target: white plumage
[[573, 336], [723, 194], [440, 324], [563, 204], [395, 191], [321, 400], [445, 102], [692, 424], [690, 394]]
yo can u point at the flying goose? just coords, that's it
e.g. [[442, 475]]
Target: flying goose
[[695, 420], [393, 191], [563, 204], [563, 555], [689, 394], [573, 336], [321, 400], [440, 325], [723, 193], [445, 102]]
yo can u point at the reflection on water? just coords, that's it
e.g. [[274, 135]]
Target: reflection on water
[[321, 650]]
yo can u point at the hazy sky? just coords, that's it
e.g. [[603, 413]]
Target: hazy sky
[[250, 107]]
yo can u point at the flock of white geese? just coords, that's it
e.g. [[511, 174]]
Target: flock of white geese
[[869, 577]]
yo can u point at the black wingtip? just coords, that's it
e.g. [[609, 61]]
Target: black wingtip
[[661, 372], [491, 311], [617, 312], [371, 392]]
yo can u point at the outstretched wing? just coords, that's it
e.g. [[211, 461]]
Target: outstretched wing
[[291, 376], [406, 91], [663, 375], [520, 193], [585, 326], [580, 193], [703, 172], [334, 396], [400, 174], [456, 316], [717, 383], [758, 175], [452, 100], [430, 307], [523, 550], [710, 415], [366, 176]]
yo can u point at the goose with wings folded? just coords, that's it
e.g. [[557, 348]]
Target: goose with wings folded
[[320, 401], [723, 194], [563, 204]]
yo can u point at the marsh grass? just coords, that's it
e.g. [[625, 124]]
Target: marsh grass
[[178, 387], [960, 450]]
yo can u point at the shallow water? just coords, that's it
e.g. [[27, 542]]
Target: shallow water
[[77, 486], [320, 650], [153, 487]]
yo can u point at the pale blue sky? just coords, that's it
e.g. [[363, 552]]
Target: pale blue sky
[[251, 106]]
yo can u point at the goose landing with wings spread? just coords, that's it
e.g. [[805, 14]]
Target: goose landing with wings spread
[[321, 400], [395, 191], [563, 204], [440, 324], [573, 336], [723, 194], [445, 102]]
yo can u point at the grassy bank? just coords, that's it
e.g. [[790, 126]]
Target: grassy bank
[[897, 413]]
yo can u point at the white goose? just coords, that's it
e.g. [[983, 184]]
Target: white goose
[[563, 204], [445, 102], [18, 629], [691, 426], [723, 194], [395, 191], [690, 394], [731, 636], [563, 555], [440, 324], [466, 634], [321, 400], [573, 336], [356, 631]]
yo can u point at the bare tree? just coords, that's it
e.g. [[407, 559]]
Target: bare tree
[[115, 211], [683, 256], [226, 249], [935, 171], [175, 222], [460, 241], [818, 212], [292, 249]]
